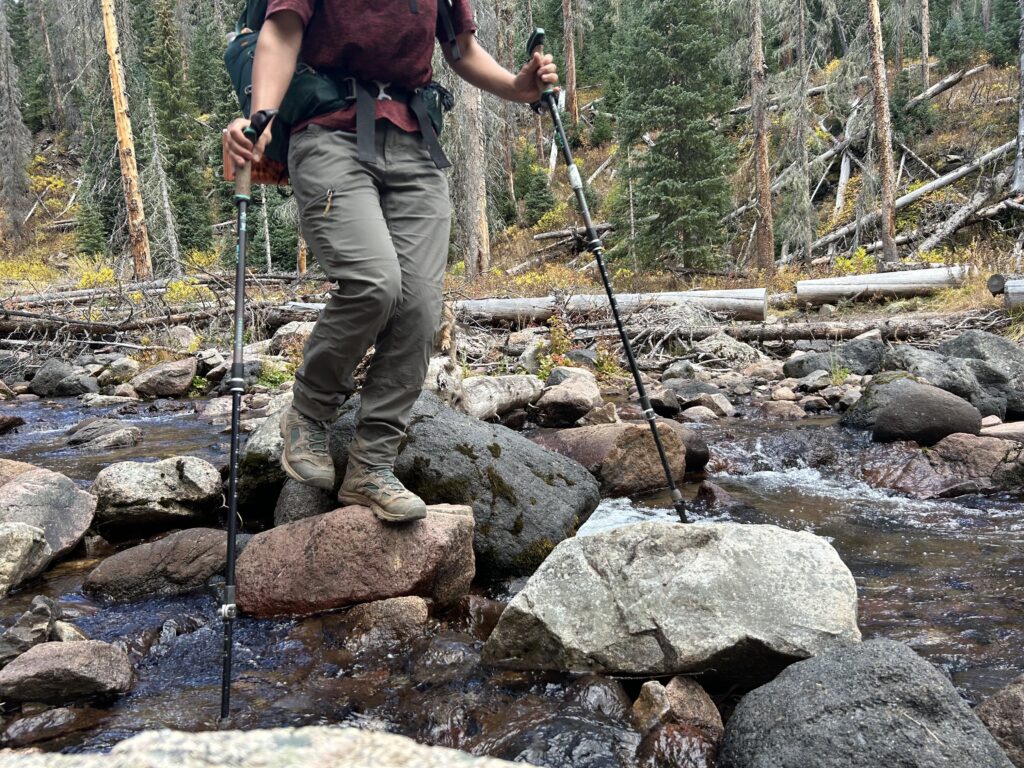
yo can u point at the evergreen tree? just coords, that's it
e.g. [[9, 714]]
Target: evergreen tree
[[671, 86], [33, 79], [15, 139], [176, 112]]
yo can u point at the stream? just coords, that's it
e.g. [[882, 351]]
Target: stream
[[942, 576]]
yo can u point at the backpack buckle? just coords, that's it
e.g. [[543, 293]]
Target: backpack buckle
[[382, 91]]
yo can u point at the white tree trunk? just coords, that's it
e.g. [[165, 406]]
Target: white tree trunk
[[889, 285], [266, 228], [1018, 171]]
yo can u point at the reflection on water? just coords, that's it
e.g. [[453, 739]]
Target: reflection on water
[[944, 576]]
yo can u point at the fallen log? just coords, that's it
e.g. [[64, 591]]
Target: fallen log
[[572, 232], [740, 304], [889, 285], [964, 214], [1013, 294], [943, 85], [487, 397], [912, 197]]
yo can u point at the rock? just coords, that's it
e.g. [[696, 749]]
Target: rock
[[354, 558], [953, 375], [310, 747], [24, 554], [982, 345], [990, 421], [675, 745], [120, 371], [525, 499], [180, 337], [849, 399], [51, 502], [713, 498], [50, 724], [858, 356], [622, 456], [682, 702], [33, 627], [563, 373], [260, 476], [826, 310], [681, 369], [718, 404], [178, 563], [997, 363], [172, 379], [814, 404], [925, 414], [208, 360], [130, 495], [815, 381], [299, 501], [49, 375], [721, 347], [92, 400], [1013, 430], [10, 423], [688, 392], [584, 358], [876, 395], [766, 370], [698, 414], [65, 632], [600, 696], [1003, 715], [6, 393], [657, 599], [59, 672], [605, 414], [291, 338], [781, 410], [567, 402], [858, 706], [384, 623], [784, 394], [93, 434], [77, 384], [121, 438], [664, 401], [651, 707]]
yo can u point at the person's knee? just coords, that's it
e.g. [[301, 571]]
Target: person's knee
[[421, 313], [377, 290]]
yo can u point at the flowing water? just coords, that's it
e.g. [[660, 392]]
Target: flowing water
[[944, 576]]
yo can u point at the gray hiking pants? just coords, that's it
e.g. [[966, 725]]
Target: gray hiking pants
[[381, 233]]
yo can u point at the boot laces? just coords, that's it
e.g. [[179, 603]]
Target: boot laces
[[316, 436]]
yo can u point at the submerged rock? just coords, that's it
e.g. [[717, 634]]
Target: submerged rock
[[33, 627], [311, 747], [1003, 715], [49, 501], [24, 554], [657, 599], [61, 672], [50, 724], [858, 706], [132, 495], [178, 563], [103, 434], [348, 556]]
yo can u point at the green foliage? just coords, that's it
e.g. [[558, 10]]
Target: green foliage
[[1003, 41], [532, 186], [89, 235], [909, 125], [602, 132], [860, 262], [961, 41], [666, 53], [273, 374]]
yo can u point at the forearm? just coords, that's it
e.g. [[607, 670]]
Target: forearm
[[276, 55], [477, 67]]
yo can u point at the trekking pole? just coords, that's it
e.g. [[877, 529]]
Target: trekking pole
[[228, 609], [596, 247]]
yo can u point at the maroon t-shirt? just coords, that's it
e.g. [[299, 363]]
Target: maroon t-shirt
[[387, 40]]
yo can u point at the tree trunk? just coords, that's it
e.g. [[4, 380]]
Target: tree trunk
[[538, 126], [51, 64], [569, 23], [1013, 294], [764, 254], [300, 262], [266, 228], [505, 52], [165, 198], [805, 205], [478, 240], [1018, 169], [890, 285], [986, 15], [926, 31], [883, 132], [137, 233]]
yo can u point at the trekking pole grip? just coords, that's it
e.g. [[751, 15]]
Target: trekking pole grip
[[536, 45], [243, 175]]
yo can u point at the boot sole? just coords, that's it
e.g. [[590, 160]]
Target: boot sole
[[288, 470], [388, 517]]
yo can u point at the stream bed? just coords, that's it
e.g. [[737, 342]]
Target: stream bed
[[943, 576]]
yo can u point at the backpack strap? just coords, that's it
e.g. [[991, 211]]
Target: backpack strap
[[444, 13]]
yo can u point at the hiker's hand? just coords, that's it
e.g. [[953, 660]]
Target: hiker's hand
[[539, 69], [240, 149]]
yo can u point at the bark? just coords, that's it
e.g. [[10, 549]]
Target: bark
[[889, 285], [300, 263], [1013, 294], [1018, 171], [478, 240], [883, 133], [505, 49], [764, 252], [986, 15], [51, 64], [965, 213], [165, 198], [266, 228], [574, 232], [807, 225], [569, 23], [538, 126], [926, 31], [487, 397], [137, 232]]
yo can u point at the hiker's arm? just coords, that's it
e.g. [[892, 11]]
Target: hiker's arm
[[477, 67], [277, 52]]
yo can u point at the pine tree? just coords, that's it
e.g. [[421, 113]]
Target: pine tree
[[32, 80], [176, 112], [666, 61], [15, 139]]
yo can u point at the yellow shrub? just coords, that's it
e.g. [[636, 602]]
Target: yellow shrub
[[35, 271], [860, 262], [186, 291], [554, 218], [202, 261]]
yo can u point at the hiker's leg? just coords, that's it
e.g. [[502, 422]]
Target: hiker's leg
[[418, 210], [344, 224]]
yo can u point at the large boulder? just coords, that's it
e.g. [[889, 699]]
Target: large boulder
[[860, 356], [661, 599], [134, 496], [299, 501], [119, 371], [858, 706], [348, 556], [49, 501], [723, 348], [525, 499], [11, 469], [882, 389], [59, 672], [621, 456], [568, 400], [1003, 715], [24, 554], [107, 434], [986, 352], [172, 379], [924, 414], [260, 477], [949, 373], [311, 747], [291, 338], [49, 376], [179, 562]]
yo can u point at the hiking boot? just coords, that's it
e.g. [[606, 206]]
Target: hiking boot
[[305, 456], [383, 493]]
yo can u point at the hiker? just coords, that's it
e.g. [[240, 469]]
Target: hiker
[[374, 206]]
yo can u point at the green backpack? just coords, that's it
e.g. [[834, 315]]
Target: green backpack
[[310, 93]]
